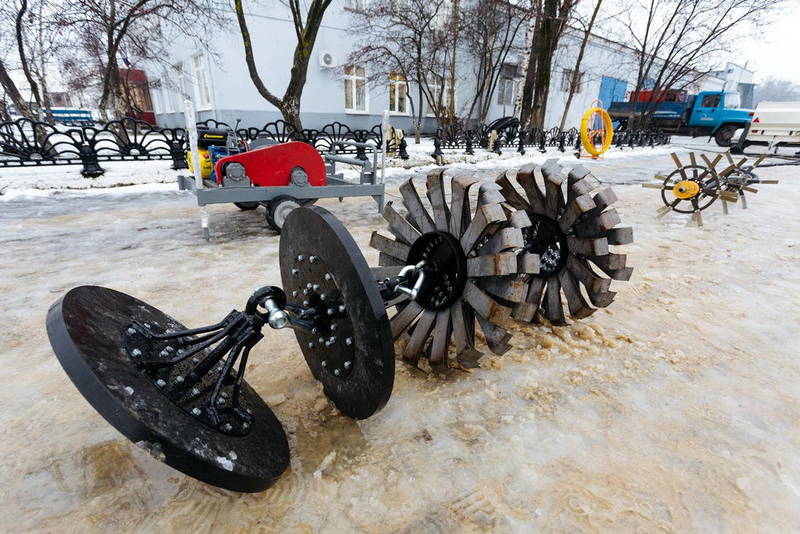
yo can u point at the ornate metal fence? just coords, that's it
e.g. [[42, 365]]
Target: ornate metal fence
[[455, 137], [26, 143]]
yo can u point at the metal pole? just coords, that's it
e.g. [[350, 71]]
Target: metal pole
[[385, 126], [191, 128]]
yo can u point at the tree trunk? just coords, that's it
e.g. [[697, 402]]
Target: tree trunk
[[530, 71], [23, 57], [576, 72], [13, 93]]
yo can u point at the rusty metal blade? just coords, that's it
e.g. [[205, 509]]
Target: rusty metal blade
[[528, 262], [490, 193], [499, 264], [460, 213], [484, 305], [506, 288], [587, 246], [620, 236], [464, 334], [497, 337], [404, 318], [610, 262], [553, 309], [389, 246], [436, 196], [554, 197], [578, 307], [577, 207], [597, 226], [502, 241], [510, 193], [486, 219], [441, 338], [415, 208], [422, 329], [398, 226], [526, 177]]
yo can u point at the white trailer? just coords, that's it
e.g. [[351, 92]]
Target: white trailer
[[774, 125]]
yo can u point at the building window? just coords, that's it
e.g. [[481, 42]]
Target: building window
[[155, 91], [356, 5], [566, 80], [200, 72], [439, 98], [505, 87], [397, 94], [355, 89]]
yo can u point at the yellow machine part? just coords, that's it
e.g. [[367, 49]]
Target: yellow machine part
[[206, 167], [686, 189], [586, 135]]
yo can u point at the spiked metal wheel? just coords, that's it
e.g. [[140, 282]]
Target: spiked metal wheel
[[692, 188], [468, 253], [570, 228]]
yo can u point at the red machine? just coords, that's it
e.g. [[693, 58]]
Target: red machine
[[660, 95], [294, 163]]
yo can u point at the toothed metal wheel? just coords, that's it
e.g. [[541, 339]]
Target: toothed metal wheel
[[568, 222], [469, 253]]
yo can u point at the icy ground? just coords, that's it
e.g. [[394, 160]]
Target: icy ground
[[677, 409]]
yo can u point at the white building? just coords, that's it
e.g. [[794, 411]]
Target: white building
[[222, 90]]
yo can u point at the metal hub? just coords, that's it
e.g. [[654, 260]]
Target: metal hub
[[445, 269], [545, 238], [313, 284], [686, 189]]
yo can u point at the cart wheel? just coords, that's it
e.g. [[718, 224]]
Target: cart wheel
[[278, 209], [246, 206]]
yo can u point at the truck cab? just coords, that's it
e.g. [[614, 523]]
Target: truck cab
[[717, 113]]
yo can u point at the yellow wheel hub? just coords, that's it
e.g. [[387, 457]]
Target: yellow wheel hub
[[686, 189]]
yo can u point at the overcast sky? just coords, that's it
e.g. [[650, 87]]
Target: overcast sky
[[774, 54]]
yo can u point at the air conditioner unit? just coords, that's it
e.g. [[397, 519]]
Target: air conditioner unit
[[328, 60]]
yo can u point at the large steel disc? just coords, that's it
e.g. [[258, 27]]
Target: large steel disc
[[87, 332], [350, 350]]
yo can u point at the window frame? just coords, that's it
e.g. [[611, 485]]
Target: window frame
[[566, 77], [200, 71], [354, 79], [396, 81]]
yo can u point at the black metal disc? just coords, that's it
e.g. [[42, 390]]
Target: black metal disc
[[351, 353], [545, 238], [446, 269], [87, 329]]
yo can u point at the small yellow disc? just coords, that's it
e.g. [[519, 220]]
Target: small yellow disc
[[686, 189]]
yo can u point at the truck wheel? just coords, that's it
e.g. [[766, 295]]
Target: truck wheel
[[278, 209], [246, 206], [724, 135]]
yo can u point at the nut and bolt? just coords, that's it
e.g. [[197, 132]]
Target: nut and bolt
[[310, 345], [300, 257], [136, 353], [312, 259], [160, 383], [131, 331], [324, 363], [337, 372], [178, 379], [348, 341], [227, 427], [348, 365], [295, 271], [196, 411], [328, 276]]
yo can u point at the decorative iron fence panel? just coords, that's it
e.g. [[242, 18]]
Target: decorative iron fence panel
[[29, 143]]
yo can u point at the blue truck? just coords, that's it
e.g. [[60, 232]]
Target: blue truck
[[713, 113]]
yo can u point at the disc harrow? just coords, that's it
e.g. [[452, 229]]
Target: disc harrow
[[473, 255], [693, 187]]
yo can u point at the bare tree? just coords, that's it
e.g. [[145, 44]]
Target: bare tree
[[491, 29], [575, 79], [108, 27], [678, 41], [414, 39], [773, 90], [551, 18], [306, 29]]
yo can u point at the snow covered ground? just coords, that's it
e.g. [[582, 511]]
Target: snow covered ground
[[676, 409]]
